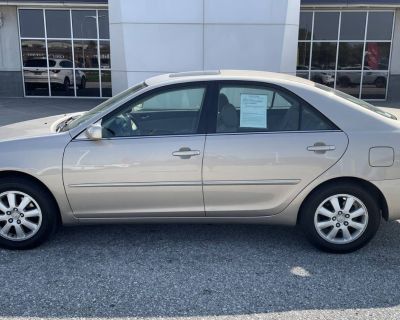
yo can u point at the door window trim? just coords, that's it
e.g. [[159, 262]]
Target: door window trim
[[202, 125], [213, 114]]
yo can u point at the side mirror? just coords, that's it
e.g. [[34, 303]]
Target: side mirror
[[94, 132]]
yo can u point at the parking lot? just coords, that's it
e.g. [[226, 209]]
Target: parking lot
[[199, 271], [194, 271]]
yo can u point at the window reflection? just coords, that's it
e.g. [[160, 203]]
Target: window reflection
[[60, 50], [88, 84], [380, 25], [58, 24], [85, 52], [326, 25], [305, 27], [324, 55], [303, 56], [374, 85], [350, 55], [349, 82], [106, 87], [326, 78], [353, 25], [51, 54], [31, 23], [377, 55]]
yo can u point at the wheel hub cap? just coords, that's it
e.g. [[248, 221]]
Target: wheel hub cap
[[20, 216], [341, 219]]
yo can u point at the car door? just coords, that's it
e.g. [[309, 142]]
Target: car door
[[148, 162], [267, 145]]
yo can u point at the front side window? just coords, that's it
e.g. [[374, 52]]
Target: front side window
[[170, 112], [259, 109]]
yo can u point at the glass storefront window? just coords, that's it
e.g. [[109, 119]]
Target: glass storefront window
[[58, 24], [324, 55], [353, 25], [349, 50], [31, 23], [350, 55], [64, 52], [326, 25]]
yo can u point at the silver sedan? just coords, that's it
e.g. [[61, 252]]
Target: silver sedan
[[206, 147]]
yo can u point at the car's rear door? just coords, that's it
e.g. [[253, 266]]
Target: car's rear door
[[268, 144], [149, 161]]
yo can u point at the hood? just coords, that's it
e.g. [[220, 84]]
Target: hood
[[33, 128]]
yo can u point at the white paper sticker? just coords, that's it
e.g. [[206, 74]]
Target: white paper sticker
[[253, 111]]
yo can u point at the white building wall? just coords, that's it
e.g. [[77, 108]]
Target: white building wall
[[150, 37]]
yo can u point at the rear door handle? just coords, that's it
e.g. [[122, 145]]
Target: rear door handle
[[186, 153], [321, 148]]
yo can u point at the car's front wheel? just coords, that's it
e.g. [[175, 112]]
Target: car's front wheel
[[28, 215], [340, 217]]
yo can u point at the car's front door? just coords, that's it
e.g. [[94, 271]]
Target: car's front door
[[267, 146], [148, 162]]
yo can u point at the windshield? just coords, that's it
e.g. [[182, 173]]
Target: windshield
[[357, 101], [103, 106]]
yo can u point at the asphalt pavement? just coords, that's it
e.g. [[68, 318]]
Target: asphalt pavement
[[193, 271]]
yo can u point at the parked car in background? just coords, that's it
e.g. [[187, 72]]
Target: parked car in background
[[60, 74], [206, 147]]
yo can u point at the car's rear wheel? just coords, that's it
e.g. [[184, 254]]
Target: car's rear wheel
[[28, 215], [340, 218]]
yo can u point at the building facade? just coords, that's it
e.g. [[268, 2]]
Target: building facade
[[83, 48]]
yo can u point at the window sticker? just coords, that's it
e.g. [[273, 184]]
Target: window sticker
[[253, 111]]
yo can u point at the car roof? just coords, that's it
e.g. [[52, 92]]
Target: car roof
[[246, 75]]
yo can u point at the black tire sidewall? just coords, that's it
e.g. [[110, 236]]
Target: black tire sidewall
[[48, 208], [317, 197]]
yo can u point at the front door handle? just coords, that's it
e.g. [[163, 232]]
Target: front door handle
[[320, 147], [186, 153]]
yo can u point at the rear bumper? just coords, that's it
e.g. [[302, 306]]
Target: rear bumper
[[391, 191]]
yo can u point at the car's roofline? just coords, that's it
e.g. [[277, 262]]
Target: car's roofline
[[220, 75]]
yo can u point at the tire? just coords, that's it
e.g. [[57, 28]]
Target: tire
[[45, 219], [342, 219]]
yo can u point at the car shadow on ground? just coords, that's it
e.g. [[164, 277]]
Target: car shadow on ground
[[194, 270]]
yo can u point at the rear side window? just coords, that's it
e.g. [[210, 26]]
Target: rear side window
[[262, 109]]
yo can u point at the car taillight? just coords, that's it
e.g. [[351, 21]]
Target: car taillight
[[56, 71]]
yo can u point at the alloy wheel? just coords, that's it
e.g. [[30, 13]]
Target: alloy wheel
[[20, 216]]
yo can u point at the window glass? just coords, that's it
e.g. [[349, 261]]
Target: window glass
[[105, 58], [305, 27], [104, 32], [353, 25], [324, 55], [36, 82], [350, 55], [34, 53], [377, 55], [349, 82], [87, 83], [31, 23], [258, 109], [60, 50], [61, 82], [106, 86], [380, 25], [303, 56], [326, 25], [58, 24], [326, 78], [171, 112], [84, 23], [85, 54], [374, 85]]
